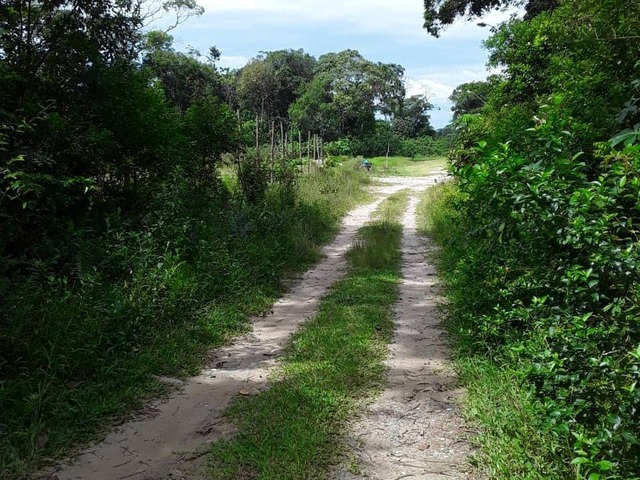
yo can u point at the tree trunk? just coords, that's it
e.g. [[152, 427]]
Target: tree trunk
[[315, 148], [292, 144], [300, 144], [386, 161], [257, 136]]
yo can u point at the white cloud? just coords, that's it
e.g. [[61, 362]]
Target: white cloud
[[439, 83], [400, 18], [232, 61]]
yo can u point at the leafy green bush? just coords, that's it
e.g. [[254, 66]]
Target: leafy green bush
[[544, 262]]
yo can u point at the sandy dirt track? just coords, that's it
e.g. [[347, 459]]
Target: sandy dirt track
[[162, 440], [413, 430], [168, 437]]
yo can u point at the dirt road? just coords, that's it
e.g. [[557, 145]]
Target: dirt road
[[168, 435], [413, 429]]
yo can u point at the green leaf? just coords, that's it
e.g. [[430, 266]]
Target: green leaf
[[580, 461], [623, 136], [623, 181], [605, 465]]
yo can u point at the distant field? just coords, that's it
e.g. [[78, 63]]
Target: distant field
[[405, 166]]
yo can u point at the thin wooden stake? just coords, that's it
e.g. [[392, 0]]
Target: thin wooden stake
[[308, 152], [257, 136], [273, 140], [283, 144]]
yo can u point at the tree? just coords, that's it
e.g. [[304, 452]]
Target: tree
[[580, 53], [211, 129], [182, 75], [440, 13], [182, 10], [315, 111], [293, 70], [257, 88], [470, 97], [346, 93], [412, 119]]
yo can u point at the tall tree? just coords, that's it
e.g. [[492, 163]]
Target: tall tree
[[470, 97], [293, 70], [182, 75], [411, 120], [257, 88], [347, 92]]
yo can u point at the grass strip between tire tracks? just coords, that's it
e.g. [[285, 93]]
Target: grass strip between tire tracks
[[293, 430]]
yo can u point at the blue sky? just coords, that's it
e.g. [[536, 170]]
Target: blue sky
[[387, 31]]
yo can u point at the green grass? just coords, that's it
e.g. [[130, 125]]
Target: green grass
[[335, 361], [405, 166], [393, 207], [512, 441], [73, 358]]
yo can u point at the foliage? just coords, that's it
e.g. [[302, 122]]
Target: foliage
[[540, 244], [543, 275], [440, 13], [345, 93], [182, 76], [122, 252], [386, 140], [470, 98], [411, 119], [147, 301]]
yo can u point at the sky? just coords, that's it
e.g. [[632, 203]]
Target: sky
[[388, 31]]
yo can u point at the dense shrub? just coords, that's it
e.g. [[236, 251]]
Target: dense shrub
[[547, 275]]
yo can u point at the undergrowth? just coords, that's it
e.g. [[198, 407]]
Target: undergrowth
[[540, 262], [78, 350], [292, 430]]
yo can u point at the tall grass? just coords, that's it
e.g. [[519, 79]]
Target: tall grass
[[78, 351]]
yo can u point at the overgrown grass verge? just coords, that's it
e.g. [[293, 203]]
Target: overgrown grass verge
[[152, 301], [292, 430], [514, 439]]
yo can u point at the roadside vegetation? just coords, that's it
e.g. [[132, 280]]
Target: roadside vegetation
[[539, 237], [150, 201], [331, 366], [101, 342]]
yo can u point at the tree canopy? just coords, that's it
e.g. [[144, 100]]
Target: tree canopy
[[440, 13]]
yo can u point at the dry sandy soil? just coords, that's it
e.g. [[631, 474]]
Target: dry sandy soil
[[411, 431]]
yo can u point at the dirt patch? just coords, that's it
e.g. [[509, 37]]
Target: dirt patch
[[166, 437], [413, 430]]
